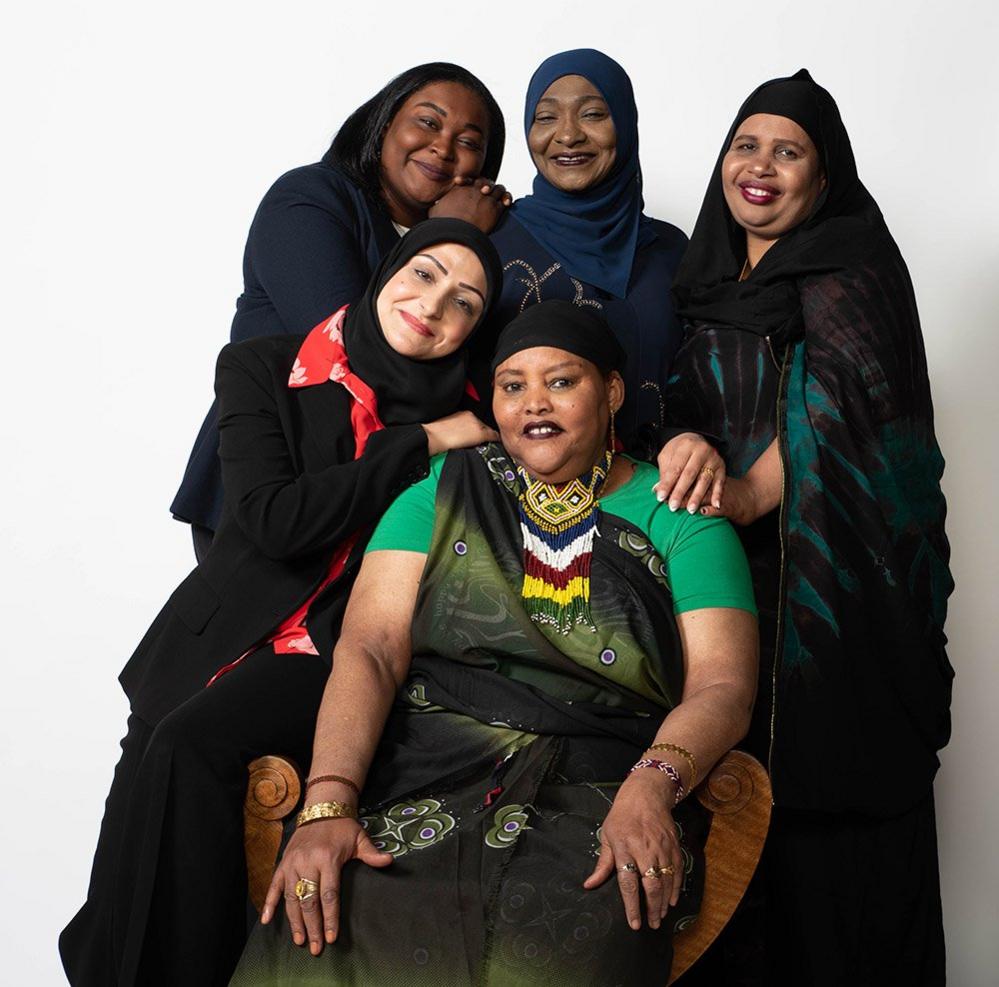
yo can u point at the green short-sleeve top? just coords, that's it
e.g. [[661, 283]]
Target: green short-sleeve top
[[705, 563]]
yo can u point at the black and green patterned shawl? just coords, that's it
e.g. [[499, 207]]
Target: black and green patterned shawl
[[497, 768], [857, 569], [821, 347], [476, 651]]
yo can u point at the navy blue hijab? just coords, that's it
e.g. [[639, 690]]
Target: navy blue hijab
[[593, 234]]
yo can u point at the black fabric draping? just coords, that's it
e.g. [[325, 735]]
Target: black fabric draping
[[411, 390], [563, 326], [820, 349], [844, 228]]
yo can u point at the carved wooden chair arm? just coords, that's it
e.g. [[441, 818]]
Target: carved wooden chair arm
[[737, 793], [273, 792]]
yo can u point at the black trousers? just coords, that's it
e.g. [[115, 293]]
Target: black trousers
[[838, 901], [167, 902]]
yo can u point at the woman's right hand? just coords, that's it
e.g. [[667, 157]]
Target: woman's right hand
[[690, 467], [479, 201], [457, 431], [317, 852]]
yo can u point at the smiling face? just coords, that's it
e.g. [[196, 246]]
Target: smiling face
[[572, 138], [439, 132], [553, 410], [771, 176], [430, 306]]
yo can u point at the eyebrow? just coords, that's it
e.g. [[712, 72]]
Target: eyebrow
[[434, 260], [443, 113], [471, 287], [443, 270], [577, 100], [548, 370], [779, 140]]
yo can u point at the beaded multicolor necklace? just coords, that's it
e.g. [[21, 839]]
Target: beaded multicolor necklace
[[559, 524]]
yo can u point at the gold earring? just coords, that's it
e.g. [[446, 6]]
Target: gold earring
[[613, 438]]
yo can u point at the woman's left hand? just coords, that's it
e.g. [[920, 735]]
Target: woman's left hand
[[690, 469], [478, 201], [638, 840]]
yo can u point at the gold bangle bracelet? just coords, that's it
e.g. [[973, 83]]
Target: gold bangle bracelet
[[685, 754], [325, 810]]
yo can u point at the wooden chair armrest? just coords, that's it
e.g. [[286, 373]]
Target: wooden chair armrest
[[737, 793], [272, 793]]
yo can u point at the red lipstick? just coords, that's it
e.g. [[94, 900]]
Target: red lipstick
[[758, 193], [421, 328]]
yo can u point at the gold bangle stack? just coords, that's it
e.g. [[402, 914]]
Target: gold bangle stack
[[325, 810], [685, 754]]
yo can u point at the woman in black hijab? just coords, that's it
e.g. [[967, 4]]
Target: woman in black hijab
[[803, 352], [318, 434]]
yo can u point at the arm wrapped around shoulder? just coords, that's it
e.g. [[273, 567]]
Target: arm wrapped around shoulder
[[284, 510]]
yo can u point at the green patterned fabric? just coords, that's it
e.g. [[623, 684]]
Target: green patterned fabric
[[497, 768]]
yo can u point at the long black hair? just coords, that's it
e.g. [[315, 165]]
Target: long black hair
[[357, 147]]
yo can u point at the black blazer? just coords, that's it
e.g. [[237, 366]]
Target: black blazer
[[313, 245], [293, 492]]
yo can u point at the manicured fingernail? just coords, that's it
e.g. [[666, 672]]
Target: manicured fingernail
[[691, 508], [673, 505], [660, 496], [718, 504]]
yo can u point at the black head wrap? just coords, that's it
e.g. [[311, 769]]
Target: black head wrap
[[576, 329], [844, 225], [411, 390]]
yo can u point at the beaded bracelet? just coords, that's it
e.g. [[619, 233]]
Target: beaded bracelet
[[667, 769], [339, 778], [325, 810], [684, 753]]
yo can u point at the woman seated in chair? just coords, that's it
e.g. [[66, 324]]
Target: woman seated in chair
[[538, 661]]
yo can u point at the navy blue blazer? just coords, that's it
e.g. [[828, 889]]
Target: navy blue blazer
[[643, 321], [313, 245]]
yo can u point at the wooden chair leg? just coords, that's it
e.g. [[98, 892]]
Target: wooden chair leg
[[273, 792], [737, 793]]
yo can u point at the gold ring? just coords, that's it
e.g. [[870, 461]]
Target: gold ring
[[630, 868], [653, 872], [304, 888], [668, 869], [708, 471]]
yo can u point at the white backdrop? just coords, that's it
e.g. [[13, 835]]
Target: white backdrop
[[138, 142]]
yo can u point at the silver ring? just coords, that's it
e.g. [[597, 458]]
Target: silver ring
[[630, 868]]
